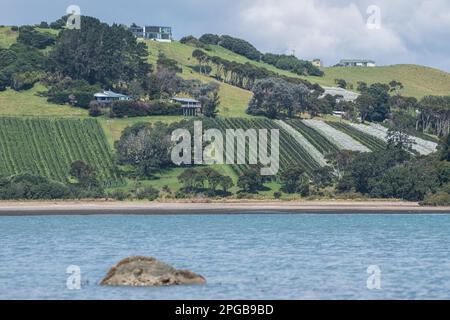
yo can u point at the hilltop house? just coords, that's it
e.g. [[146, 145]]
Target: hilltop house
[[110, 96], [190, 107], [357, 63], [317, 63], [158, 33]]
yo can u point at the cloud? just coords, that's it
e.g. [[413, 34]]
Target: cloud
[[318, 29], [412, 31]]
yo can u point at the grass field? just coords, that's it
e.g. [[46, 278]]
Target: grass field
[[47, 147], [419, 81], [28, 103], [7, 37]]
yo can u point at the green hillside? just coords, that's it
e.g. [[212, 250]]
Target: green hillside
[[29, 103], [47, 147], [234, 100], [7, 37], [418, 80]]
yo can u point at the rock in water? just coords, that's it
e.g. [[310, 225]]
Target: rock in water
[[148, 271]]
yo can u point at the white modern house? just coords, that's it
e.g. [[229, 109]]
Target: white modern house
[[357, 63], [157, 33], [110, 96]]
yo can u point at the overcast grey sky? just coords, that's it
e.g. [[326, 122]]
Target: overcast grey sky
[[411, 31]]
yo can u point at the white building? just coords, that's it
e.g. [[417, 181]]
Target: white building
[[357, 63], [158, 33]]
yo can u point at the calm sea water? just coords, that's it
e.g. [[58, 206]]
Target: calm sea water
[[242, 256]]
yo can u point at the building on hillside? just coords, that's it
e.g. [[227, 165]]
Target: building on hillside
[[317, 63], [190, 107], [158, 33], [357, 63], [110, 96], [339, 114]]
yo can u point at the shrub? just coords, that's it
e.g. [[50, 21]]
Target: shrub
[[192, 41], [438, 199], [61, 97], [82, 99], [119, 195], [14, 28], [210, 38], [95, 109], [244, 195], [31, 187], [277, 195], [166, 189], [148, 193], [181, 194], [25, 80], [120, 109]]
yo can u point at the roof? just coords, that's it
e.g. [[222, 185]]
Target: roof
[[109, 94], [356, 61], [346, 94], [185, 100]]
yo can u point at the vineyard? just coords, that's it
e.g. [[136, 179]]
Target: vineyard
[[291, 152], [47, 147], [369, 141], [314, 137]]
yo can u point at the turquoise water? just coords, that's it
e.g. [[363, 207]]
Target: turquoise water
[[286, 256]]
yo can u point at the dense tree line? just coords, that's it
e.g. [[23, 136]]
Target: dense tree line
[[277, 97], [30, 187], [146, 147], [21, 66], [293, 64], [99, 53], [204, 180], [434, 115], [381, 102], [121, 109], [241, 75], [246, 49], [373, 103], [233, 44], [82, 184], [393, 173], [274, 97], [33, 38]]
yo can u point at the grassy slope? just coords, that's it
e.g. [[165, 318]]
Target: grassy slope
[[419, 81], [7, 37], [28, 103], [234, 100]]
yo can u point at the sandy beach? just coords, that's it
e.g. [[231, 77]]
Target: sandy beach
[[111, 207]]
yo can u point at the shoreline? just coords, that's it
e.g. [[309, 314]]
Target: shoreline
[[36, 208]]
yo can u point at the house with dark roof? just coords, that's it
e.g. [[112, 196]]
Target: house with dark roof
[[110, 96]]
